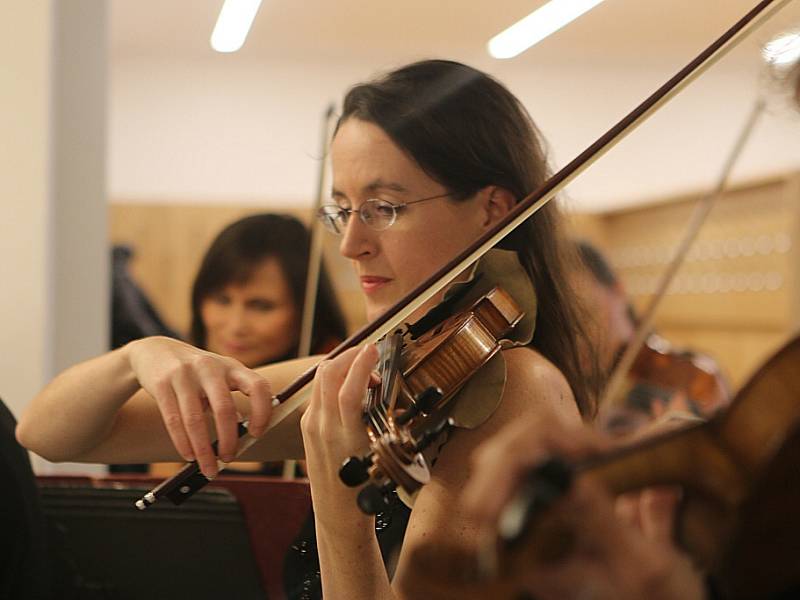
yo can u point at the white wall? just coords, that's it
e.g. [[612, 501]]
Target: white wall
[[219, 130], [24, 201], [54, 258]]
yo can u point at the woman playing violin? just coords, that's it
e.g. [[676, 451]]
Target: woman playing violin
[[424, 160]]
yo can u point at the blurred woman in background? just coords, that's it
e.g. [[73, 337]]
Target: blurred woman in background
[[247, 297]]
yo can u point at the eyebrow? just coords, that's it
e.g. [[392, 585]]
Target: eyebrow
[[375, 186]]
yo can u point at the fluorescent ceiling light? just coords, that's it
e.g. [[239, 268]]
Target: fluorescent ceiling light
[[233, 24], [783, 50], [538, 25]]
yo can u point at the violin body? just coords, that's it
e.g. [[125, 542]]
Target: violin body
[[738, 518], [678, 370], [419, 377], [448, 355], [666, 378]]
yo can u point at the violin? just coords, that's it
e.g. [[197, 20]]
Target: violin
[[738, 515], [662, 366], [407, 410], [665, 378]]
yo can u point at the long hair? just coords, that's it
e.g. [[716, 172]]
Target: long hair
[[241, 247], [467, 131]]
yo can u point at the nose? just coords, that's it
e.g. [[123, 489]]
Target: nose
[[358, 240], [237, 319]]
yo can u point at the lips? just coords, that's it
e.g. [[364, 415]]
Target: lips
[[235, 348], [372, 283]]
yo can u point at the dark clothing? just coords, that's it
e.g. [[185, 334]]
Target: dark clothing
[[133, 316], [713, 592], [24, 564], [301, 568]]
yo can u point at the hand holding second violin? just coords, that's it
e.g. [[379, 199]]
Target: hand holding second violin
[[624, 548]]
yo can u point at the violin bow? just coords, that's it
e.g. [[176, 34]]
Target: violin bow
[[183, 484], [314, 261], [611, 395], [315, 251]]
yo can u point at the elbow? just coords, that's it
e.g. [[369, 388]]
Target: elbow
[[23, 435], [29, 440]]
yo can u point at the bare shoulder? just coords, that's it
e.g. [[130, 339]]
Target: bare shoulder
[[535, 389], [534, 384]]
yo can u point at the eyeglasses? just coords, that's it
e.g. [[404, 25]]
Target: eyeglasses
[[374, 213]]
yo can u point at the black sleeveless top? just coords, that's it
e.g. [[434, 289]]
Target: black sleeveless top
[[301, 567]]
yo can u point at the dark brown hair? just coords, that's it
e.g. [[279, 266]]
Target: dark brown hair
[[467, 131], [241, 247]]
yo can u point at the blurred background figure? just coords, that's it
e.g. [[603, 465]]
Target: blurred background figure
[[247, 297], [663, 378], [133, 315], [613, 321]]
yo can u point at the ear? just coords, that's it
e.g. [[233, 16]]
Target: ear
[[496, 203]]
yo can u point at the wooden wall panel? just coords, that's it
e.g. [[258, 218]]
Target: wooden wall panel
[[589, 227]]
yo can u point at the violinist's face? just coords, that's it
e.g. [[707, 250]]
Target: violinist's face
[[390, 263], [255, 322]]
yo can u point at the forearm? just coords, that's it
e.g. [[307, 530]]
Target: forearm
[[351, 565], [101, 411], [78, 408]]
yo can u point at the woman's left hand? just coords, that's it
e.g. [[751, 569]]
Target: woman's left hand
[[333, 428]]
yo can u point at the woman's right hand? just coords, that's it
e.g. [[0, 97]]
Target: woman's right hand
[[185, 381]]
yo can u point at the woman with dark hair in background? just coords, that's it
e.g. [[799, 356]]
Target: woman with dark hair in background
[[247, 297]]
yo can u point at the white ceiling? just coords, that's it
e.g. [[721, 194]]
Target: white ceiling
[[361, 28]]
